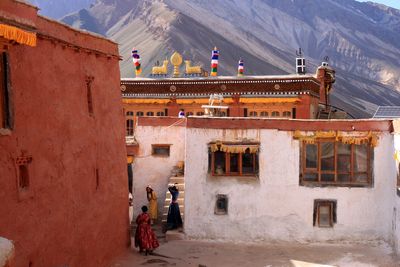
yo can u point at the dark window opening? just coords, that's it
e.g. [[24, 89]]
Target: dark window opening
[[130, 113], [160, 150], [286, 114], [160, 113], [150, 113], [97, 179], [294, 113], [200, 113], [5, 91], [129, 127], [140, 113], [221, 205], [324, 214], [89, 81], [23, 176]]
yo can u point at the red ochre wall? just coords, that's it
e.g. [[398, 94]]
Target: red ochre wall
[[65, 218]]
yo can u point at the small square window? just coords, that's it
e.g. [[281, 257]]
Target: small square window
[[160, 150], [324, 213], [221, 205]]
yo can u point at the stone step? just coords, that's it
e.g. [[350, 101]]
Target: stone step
[[181, 194], [177, 179], [168, 200], [181, 207]]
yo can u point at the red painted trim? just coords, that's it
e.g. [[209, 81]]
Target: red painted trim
[[161, 121], [290, 124]]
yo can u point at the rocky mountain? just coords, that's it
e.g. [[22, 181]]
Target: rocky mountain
[[59, 8], [362, 40]]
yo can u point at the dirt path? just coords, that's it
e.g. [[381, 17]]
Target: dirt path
[[200, 254]]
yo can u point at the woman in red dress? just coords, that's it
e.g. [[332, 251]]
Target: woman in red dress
[[145, 238]]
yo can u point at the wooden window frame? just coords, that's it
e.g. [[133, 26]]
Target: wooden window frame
[[332, 205], [264, 114], [253, 113], [130, 113], [275, 114], [153, 146], [149, 113], [240, 165], [139, 114], [217, 210], [160, 113], [335, 172], [287, 114]]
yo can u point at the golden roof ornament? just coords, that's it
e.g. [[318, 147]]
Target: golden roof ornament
[[176, 61]]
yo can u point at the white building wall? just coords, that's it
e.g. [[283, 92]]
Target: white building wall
[[396, 208], [274, 206], [155, 170]]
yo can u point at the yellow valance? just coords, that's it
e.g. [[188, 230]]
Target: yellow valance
[[18, 35], [234, 148], [357, 139]]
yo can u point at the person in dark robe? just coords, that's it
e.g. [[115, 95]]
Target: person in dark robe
[[145, 238], [174, 219]]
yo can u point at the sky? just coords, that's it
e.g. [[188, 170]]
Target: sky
[[392, 3]]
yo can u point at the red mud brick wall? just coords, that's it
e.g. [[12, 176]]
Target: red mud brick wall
[[69, 216]]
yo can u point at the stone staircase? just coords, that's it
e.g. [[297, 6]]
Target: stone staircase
[[181, 186]]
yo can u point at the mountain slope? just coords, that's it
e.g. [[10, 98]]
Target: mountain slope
[[59, 8], [361, 39]]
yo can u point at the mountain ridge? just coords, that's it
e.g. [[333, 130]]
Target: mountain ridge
[[361, 39]]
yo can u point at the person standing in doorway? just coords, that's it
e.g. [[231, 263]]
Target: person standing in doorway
[[145, 238], [152, 198], [174, 219]]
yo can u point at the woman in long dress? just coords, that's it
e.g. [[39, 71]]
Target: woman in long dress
[[145, 238], [152, 198], [174, 219]]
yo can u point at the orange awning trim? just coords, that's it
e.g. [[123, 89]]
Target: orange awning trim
[[146, 101], [18, 35], [269, 100]]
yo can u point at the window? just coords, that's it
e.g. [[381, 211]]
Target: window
[[222, 114], [160, 150], [150, 113], [253, 114], [233, 159], [286, 114], [200, 113], [189, 114], [275, 114], [160, 113], [334, 163], [23, 171], [264, 114], [129, 127], [89, 81], [129, 113], [221, 205], [139, 113], [324, 213], [5, 110]]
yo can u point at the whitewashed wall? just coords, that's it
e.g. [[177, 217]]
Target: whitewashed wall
[[275, 207], [153, 170], [396, 208]]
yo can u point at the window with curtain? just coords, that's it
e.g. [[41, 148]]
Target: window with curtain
[[327, 162]]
